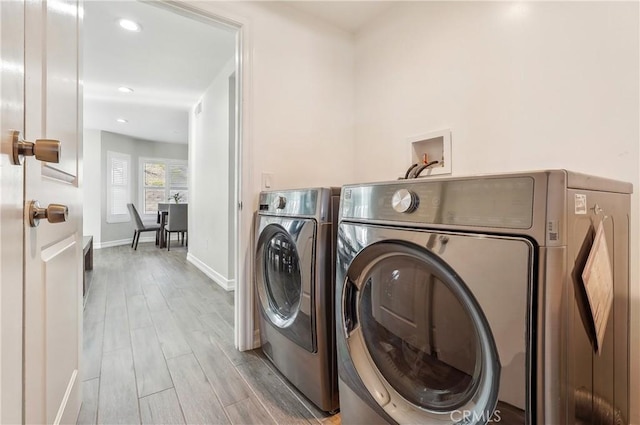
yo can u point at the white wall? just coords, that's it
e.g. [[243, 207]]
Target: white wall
[[303, 104], [209, 180], [302, 96], [298, 111], [521, 85], [537, 85], [91, 188]]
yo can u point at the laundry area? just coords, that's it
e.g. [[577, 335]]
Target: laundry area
[[484, 258], [399, 213]]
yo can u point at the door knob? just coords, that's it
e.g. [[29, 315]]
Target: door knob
[[54, 213], [47, 150]]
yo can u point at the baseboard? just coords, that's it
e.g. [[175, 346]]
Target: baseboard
[[224, 283], [65, 401], [109, 244], [256, 338]]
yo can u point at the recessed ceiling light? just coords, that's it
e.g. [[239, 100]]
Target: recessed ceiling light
[[122, 120], [125, 89], [130, 25]]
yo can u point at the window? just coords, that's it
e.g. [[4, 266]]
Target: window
[[161, 181], [118, 187]]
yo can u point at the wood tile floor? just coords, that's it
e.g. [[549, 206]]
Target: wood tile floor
[[158, 349]]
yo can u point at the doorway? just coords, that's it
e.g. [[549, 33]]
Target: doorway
[[237, 233]]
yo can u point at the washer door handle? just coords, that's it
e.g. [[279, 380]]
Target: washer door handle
[[349, 307]]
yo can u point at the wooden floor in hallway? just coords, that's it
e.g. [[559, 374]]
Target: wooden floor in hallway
[[158, 349]]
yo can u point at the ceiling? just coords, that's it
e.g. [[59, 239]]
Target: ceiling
[[350, 16], [169, 63]]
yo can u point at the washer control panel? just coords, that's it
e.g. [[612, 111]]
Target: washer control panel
[[296, 202], [502, 202]]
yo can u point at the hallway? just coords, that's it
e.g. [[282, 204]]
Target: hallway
[[158, 348]]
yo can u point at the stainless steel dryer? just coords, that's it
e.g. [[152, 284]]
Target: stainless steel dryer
[[294, 265], [456, 301]]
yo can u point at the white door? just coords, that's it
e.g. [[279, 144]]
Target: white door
[[51, 253], [11, 183]]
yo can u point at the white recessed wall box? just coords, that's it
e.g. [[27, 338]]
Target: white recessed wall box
[[428, 147]]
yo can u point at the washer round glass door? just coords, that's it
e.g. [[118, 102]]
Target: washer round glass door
[[284, 266], [417, 337]]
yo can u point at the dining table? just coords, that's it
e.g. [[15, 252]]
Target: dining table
[[163, 213]]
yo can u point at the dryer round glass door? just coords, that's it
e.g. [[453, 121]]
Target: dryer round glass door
[[281, 291], [417, 337]]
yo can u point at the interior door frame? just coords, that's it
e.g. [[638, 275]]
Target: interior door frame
[[245, 337]]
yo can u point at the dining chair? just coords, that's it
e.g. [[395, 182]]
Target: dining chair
[[177, 223], [140, 227]]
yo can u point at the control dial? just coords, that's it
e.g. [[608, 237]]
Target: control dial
[[279, 202], [404, 201]]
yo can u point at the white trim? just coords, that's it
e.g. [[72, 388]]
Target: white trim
[[244, 297], [119, 242], [65, 399], [256, 338], [223, 282], [109, 244]]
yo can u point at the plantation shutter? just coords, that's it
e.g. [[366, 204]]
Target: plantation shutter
[[119, 187]]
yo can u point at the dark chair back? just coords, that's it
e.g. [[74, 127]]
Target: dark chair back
[[137, 221]]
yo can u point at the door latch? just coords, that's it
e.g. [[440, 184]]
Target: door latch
[[54, 213], [47, 150]]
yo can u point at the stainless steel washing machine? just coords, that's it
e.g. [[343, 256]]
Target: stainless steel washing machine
[[457, 301], [294, 272]]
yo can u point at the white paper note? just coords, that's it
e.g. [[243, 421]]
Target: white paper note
[[598, 282]]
